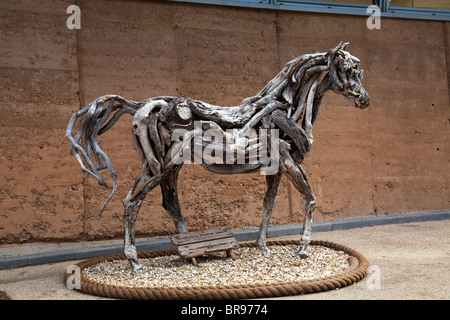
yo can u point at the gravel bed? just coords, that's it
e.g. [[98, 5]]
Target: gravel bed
[[250, 266]]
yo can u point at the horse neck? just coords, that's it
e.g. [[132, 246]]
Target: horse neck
[[303, 106]]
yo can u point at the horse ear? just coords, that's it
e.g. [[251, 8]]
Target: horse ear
[[344, 46], [361, 74], [332, 53]]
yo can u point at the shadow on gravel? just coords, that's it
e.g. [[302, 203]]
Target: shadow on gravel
[[4, 296]]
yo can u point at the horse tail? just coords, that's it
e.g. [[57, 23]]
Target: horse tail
[[96, 120]]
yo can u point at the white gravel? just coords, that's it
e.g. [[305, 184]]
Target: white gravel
[[249, 267]]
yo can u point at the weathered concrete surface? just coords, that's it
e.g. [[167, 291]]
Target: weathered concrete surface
[[389, 158], [407, 262], [411, 263], [40, 195]]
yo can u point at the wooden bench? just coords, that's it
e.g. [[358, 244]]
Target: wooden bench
[[194, 244]]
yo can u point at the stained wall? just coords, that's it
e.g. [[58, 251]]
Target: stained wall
[[390, 158]]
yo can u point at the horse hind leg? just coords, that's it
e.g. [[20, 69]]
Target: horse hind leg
[[170, 199], [270, 199], [132, 203], [131, 210]]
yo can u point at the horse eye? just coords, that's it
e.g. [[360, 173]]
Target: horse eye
[[349, 72]]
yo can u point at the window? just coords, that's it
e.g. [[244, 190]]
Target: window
[[411, 9]]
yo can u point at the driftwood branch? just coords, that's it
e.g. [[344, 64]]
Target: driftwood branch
[[92, 124], [293, 131]]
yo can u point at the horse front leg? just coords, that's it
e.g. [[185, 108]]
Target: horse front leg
[[310, 206], [270, 199], [297, 176]]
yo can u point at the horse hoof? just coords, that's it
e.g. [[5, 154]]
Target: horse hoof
[[136, 266], [262, 247], [301, 255], [264, 250]]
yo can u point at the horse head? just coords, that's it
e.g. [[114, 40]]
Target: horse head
[[345, 76]]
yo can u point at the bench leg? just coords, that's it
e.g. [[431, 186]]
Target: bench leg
[[231, 255]]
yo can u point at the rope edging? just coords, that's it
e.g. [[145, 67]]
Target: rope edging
[[356, 272]]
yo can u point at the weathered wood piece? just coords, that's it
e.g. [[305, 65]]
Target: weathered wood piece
[[293, 95], [293, 130], [198, 243], [201, 235]]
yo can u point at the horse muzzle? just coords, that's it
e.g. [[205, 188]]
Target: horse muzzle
[[363, 100]]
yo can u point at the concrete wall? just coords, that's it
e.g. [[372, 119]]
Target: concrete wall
[[390, 158]]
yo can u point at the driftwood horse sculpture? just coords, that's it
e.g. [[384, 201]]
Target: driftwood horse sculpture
[[164, 127]]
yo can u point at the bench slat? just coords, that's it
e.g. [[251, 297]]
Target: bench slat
[[200, 236], [197, 249]]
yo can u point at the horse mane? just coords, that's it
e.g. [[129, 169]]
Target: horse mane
[[302, 82], [297, 82], [289, 78]]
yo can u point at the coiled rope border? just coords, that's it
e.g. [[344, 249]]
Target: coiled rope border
[[356, 272]]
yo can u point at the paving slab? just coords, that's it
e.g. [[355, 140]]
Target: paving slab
[[408, 261]]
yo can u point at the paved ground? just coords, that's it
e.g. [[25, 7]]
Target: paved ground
[[408, 261]]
